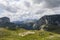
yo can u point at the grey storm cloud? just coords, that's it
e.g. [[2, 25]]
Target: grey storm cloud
[[27, 4], [52, 3], [40, 11], [8, 8], [49, 3], [17, 0], [37, 1]]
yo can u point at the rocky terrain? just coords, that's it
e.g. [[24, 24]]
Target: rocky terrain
[[5, 23], [50, 21]]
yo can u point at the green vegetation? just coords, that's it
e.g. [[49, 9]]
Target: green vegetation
[[6, 34]]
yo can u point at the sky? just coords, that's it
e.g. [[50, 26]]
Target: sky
[[20, 10]]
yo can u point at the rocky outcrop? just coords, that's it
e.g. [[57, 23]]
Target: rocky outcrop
[[48, 20], [4, 20]]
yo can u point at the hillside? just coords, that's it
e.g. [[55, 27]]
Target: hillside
[[23, 34]]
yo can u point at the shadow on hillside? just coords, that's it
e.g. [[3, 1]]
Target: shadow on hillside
[[17, 28], [53, 28]]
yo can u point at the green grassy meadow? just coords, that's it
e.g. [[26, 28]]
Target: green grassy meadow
[[6, 34]]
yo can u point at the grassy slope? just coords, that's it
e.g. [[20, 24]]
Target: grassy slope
[[6, 34]]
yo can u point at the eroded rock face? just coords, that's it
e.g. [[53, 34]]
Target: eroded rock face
[[4, 20], [48, 20]]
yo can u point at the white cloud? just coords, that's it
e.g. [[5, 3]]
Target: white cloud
[[18, 10]]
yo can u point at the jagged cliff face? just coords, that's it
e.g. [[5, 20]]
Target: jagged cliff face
[[4, 20], [48, 20], [52, 19]]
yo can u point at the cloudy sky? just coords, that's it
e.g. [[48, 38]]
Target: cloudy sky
[[18, 10]]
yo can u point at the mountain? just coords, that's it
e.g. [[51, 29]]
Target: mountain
[[18, 22], [27, 24], [5, 23], [4, 20], [25, 21], [49, 20]]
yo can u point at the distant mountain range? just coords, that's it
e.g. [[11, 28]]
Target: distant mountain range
[[46, 20], [25, 21]]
